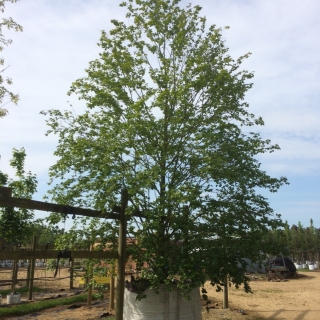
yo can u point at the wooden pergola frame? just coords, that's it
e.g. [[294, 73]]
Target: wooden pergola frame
[[118, 212]]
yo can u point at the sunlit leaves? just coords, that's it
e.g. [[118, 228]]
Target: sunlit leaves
[[16, 224]]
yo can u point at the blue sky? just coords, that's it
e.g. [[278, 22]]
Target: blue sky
[[60, 38]]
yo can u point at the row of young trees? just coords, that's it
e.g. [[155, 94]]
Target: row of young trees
[[302, 243]]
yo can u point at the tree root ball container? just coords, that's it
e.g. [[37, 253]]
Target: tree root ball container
[[13, 298], [170, 305]]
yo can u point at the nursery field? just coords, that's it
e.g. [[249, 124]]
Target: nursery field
[[294, 299]]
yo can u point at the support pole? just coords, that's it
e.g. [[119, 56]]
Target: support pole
[[14, 273], [111, 305], [31, 275], [90, 281], [28, 273], [121, 255], [71, 273], [225, 293]]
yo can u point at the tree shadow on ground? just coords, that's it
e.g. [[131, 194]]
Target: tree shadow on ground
[[302, 276]]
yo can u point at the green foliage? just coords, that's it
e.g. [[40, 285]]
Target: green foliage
[[16, 224], [5, 93], [167, 121], [47, 234], [276, 242], [96, 267], [51, 264], [86, 232]]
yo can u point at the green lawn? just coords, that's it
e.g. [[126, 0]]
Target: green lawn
[[40, 305]]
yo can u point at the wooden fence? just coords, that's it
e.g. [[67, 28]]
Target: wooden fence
[[118, 212]]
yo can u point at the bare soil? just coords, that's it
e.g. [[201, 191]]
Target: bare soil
[[294, 299]]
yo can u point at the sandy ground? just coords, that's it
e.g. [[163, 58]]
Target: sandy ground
[[294, 299]]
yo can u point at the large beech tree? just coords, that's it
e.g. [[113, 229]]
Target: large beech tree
[[167, 120]]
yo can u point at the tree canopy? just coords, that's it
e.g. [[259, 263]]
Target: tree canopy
[[6, 95], [167, 120], [16, 223]]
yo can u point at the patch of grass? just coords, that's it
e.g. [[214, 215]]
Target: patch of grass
[[271, 291], [40, 305], [20, 290], [306, 270]]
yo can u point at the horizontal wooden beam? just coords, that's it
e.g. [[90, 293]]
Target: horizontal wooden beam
[[52, 254], [6, 192], [6, 200], [37, 248]]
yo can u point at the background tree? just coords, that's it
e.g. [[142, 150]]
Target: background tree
[[6, 95], [16, 224], [276, 242], [46, 233], [165, 120], [301, 235], [311, 245], [288, 234]]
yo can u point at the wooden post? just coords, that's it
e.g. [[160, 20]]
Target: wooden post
[[121, 255], [17, 266], [71, 273], [90, 278], [111, 304], [31, 274], [14, 273], [28, 273], [225, 293]]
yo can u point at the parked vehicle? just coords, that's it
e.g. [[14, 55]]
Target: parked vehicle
[[281, 265]]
